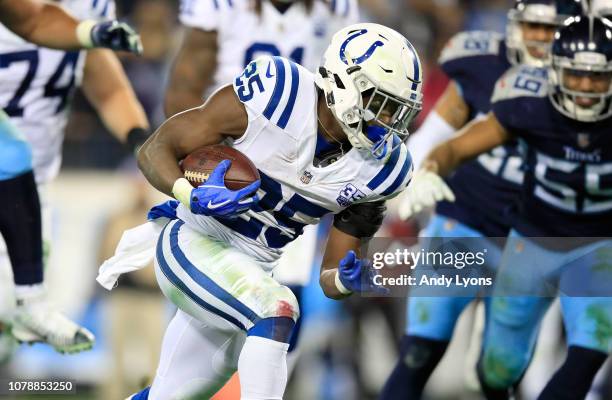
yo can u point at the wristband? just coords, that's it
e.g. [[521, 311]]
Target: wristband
[[83, 33], [136, 138], [340, 286], [182, 191]]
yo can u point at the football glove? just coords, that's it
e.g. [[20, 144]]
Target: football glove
[[355, 275], [213, 198], [424, 191], [114, 35]]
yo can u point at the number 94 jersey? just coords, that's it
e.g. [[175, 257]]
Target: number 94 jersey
[[242, 35], [568, 178], [35, 84], [281, 102]]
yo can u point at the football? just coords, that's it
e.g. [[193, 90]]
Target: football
[[199, 164]]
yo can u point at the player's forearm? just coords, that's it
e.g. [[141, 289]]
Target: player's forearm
[[159, 164], [327, 281], [192, 72], [442, 159], [43, 23]]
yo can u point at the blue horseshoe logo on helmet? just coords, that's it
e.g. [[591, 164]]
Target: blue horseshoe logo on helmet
[[364, 56]]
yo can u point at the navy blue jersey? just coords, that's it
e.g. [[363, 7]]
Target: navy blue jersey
[[568, 164], [486, 187]]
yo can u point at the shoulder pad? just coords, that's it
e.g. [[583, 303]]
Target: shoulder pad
[[269, 86], [521, 81], [204, 14], [471, 44]]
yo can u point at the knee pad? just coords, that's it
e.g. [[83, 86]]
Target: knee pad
[[502, 368], [283, 303]]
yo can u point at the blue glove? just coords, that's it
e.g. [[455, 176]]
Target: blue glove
[[214, 199], [117, 36], [357, 276]]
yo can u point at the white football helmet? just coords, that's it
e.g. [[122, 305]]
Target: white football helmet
[[377, 63], [602, 8], [546, 12]]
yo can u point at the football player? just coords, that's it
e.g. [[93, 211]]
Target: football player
[[214, 261], [216, 49], [20, 223], [473, 60], [562, 116]]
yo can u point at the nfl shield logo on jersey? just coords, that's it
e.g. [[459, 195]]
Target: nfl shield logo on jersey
[[306, 177], [583, 140]]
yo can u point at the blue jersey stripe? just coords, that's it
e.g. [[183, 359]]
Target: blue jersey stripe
[[295, 83], [386, 170], [94, 4], [346, 9], [204, 281], [278, 88], [333, 6], [216, 4], [104, 12], [400, 177], [167, 271], [230, 3]]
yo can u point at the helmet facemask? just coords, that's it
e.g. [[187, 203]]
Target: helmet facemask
[[567, 100], [518, 46], [372, 80]]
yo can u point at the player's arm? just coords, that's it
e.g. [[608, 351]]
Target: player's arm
[[109, 91], [427, 186], [474, 139], [342, 270], [450, 114], [193, 70], [222, 116], [49, 25]]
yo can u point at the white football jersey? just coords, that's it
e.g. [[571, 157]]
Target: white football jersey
[[281, 102], [36, 83], [242, 35]]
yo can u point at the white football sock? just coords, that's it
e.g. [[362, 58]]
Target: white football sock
[[263, 369]]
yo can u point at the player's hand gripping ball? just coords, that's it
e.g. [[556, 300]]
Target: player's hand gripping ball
[[225, 181]]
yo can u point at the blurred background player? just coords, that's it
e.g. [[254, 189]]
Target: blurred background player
[[562, 116], [215, 50], [20, 222], [473, 60], [228, 302], [37, 84]]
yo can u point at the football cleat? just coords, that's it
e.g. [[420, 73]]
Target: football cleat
[[35, 321]]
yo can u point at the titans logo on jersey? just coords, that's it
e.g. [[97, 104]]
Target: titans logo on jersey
[[298, 34], [280, 99], [35, 84], [568, 174], [475, 60]]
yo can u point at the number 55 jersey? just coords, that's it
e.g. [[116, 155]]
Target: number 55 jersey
[[35, 85], [568, 177]]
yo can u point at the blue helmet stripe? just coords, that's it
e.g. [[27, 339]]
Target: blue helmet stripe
[[400, 177], [278, 88], [167, 271], [415, 63], [346, 9], [203, 280], [386, 170], [295, 83]]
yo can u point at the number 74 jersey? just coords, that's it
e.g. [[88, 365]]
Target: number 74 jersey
[[35, 85], [281, 100]]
